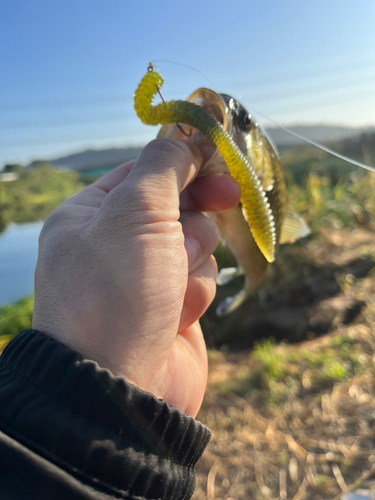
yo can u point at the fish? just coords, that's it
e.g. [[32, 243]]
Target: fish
[[264, 218]]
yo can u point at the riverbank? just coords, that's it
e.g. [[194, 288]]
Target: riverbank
[[35, 194]]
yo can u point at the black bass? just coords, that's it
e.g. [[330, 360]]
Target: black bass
[[262, 220]]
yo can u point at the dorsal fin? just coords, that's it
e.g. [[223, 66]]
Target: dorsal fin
[[293, 227]]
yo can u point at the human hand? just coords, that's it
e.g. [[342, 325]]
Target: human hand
[[125, 271]]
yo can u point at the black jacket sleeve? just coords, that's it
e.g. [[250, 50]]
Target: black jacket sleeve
[[71, 430]]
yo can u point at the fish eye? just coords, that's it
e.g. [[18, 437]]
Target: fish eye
[[244, 120]]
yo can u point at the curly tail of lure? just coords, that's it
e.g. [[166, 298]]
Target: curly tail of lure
[[255, 206]]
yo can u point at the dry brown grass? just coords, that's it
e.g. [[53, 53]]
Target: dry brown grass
[[296, 421]]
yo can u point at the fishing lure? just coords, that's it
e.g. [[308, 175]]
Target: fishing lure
[[255, 206]]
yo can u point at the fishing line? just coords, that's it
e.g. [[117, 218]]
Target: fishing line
[[313, 143], [189, 67], [318, 145]]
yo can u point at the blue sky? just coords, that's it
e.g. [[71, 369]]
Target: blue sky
[[69, 69]]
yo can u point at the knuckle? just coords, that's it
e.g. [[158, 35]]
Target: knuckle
[[59, 218], [53, 220], [57, 226]]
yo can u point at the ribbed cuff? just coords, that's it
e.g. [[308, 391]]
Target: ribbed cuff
[[95, 426]]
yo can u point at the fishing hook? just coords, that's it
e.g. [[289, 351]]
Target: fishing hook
[[151, 67]]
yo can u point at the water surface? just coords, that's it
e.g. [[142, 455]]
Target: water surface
[[18, 254]]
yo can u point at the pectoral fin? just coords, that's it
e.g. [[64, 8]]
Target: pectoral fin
[[293, 228], [226, 274]]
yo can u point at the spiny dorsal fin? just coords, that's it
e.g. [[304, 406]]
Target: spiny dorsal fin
[[293, 228]]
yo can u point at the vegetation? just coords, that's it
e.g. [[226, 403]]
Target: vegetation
[[329, 192], [15, 168], [36, 193], [280, 373], [14, 318]]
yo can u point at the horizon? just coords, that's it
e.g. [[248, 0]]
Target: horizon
[[62, 94], [95, 148], [109, 147]]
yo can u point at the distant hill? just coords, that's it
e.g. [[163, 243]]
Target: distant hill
[[107, 158], [97, 158]]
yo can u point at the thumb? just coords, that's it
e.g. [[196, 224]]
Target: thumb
[[153, 186]]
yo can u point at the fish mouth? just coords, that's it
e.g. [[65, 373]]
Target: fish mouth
[[213, 103], [225, 109], [221, 107], [216, 106]]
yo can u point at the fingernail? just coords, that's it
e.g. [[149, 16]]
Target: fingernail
[[192, 248]]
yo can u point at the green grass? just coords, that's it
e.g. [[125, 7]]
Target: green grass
[[14, 318], [281, 372], [271, 358]]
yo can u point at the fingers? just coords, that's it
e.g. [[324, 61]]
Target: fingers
[[201, 238], [171, 168], [174, 161], [199, 294], [189, 350], [211, 193], [153, 187], [163, 170]]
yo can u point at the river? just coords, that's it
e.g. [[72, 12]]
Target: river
[[18, 254]]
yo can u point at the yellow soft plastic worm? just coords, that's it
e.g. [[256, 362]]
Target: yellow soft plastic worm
[[254, 202]]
